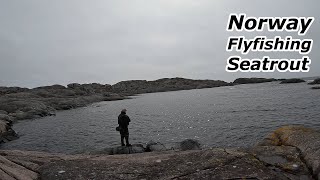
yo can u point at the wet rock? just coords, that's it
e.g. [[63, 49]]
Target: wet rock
[[3, 127], [155, 146], [6, 132], [152, 146], [293, 80], [135, 148], [5, 117], [190, 144]]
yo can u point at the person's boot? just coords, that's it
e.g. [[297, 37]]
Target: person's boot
[[127, 140], [122, 143]]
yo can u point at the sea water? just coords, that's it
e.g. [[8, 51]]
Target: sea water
[[233, 116]]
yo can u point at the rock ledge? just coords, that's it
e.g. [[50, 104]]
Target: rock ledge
[[290, 152]]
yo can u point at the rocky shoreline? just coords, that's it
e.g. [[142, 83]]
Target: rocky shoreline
[[22, 103], [290, 152]]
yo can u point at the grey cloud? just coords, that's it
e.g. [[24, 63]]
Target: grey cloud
[[46, 42]]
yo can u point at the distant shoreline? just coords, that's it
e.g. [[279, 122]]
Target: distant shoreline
[[23, 103]]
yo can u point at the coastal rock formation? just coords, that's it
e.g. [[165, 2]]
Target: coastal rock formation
[[283, 158], [293, 80], [306, 140], [10, 90], [22, 103], [253, 80], [289, 153], [135, 148], [316, 81], [6, 131], [205, 164], [93, 88], [25, 165], [165, 84], [185, 145], [188, 144], [155, 146]]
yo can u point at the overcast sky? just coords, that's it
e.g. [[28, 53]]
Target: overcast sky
[[46, 42]]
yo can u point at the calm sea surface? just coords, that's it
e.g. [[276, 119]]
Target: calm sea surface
[[237, 116]]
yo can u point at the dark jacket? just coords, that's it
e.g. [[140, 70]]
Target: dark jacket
[[123, 120]]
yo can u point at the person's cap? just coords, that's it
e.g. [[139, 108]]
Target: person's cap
[[123, 110]]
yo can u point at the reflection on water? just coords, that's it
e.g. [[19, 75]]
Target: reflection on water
[[224, 116]]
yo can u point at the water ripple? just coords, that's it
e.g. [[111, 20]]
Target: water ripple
[[218, 117]]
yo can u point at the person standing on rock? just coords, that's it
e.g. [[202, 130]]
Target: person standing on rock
[[123, 121]]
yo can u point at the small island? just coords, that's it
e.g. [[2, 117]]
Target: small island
[[316, 81], [315, 87], [292, 80], [253, 80]]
